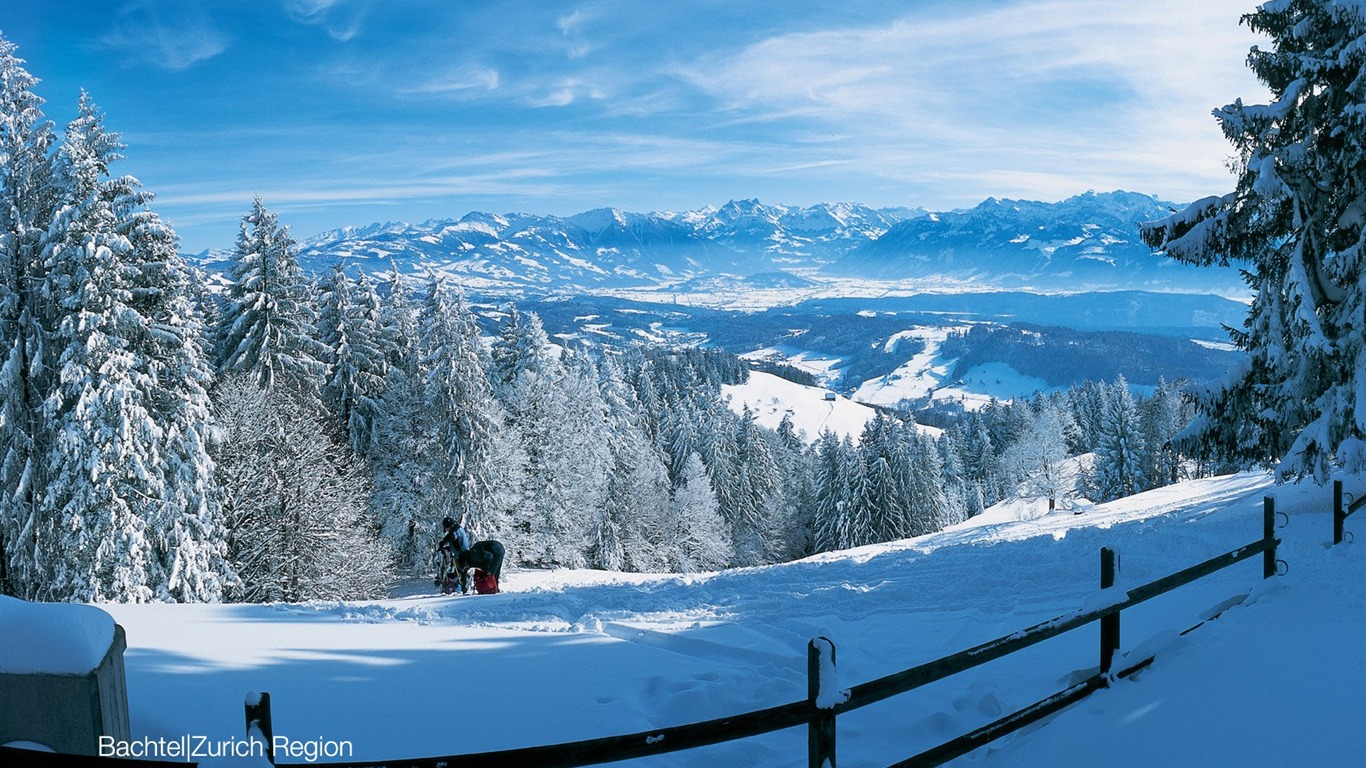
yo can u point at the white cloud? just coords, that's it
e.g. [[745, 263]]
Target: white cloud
[[459, 82], [341, 19], [167, 35]]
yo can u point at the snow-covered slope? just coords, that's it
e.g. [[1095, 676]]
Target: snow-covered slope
[[811, 409], [565, 655], [927, 375]]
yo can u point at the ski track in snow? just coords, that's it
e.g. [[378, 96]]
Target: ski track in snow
[[566, 655]]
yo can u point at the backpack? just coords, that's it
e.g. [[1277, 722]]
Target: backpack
[[485, 583]]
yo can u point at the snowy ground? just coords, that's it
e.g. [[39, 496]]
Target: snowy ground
[[566, 655], [811, 409]]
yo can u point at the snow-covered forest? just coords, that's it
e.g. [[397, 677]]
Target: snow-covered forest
[[299, 437]]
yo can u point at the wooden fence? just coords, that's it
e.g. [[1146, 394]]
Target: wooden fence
[[820, 710]]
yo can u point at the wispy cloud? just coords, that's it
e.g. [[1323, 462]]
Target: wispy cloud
[[341, 19], [169, 35], [462, 81]]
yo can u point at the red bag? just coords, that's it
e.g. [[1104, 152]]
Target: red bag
[[485, 583]]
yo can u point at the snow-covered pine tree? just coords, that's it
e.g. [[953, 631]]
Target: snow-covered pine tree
[[188, 532], [758, 522], [26, 139], [1163, 416], [702, 538], [467, 469], [794, 460], [102, 464], [981, 463], [1088, 408], [957, 502], [399, 336], [925, 503], [400, 440], [837, 474], [634, 530], [1121, 455], [267, 325], [560, 419], [350, 329], [130, 496], [1295, 222]]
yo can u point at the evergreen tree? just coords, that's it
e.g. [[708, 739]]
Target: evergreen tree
[[130, 498], [793, 460], [634, 530], [1121, 455], [703, 541], [926, 505], [28, 200], [460, 426], [756, 517], [561, 421], [267, 325], [837, 473], [957, 501], [1295, 222], [400, 442], [1163, 416], [351, 332], [189, 536], [980, 460]]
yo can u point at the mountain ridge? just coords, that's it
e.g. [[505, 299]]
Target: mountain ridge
[[1085, 242]]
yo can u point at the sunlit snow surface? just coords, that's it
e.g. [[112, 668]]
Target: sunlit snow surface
[[565, 655]]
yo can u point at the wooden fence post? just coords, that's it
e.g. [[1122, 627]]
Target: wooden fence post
[[820, 732], [1109, 625], [1339, 514], [1269, 535], [258, 714]]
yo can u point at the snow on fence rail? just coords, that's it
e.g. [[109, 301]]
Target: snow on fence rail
[[826, 700]]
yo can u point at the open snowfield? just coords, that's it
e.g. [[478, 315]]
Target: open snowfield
[[927, 374], [568, 655], [771, 397]]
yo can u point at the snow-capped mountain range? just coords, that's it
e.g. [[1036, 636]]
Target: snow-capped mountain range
[[1087, 242], [607, 247]]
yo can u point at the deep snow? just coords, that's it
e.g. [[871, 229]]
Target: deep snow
[[568, 655]]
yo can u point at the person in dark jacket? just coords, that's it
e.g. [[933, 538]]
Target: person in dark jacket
[[454, 543]]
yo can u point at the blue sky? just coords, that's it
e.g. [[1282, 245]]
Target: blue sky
[[353, 111]]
